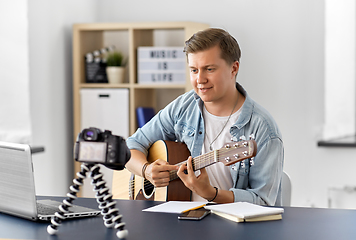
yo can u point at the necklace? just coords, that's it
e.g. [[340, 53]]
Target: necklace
[[211, 149]]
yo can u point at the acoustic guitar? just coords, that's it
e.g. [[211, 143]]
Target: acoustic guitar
[[174, 153]]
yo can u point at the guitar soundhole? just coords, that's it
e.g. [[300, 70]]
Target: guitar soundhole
[[148, 187]]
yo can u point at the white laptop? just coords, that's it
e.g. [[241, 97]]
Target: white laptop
[[17, 187]]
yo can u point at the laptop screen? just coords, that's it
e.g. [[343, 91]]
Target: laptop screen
[[17, 187]]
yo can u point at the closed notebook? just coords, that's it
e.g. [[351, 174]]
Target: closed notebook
[[255, 219], [243, 211]]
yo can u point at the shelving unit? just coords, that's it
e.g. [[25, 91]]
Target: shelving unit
[[127, 37]]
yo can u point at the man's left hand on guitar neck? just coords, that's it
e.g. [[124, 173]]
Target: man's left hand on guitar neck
[[201, 184]]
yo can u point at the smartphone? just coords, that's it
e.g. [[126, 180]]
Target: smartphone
[[194, 214]]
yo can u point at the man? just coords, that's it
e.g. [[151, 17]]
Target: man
[[216, 110]]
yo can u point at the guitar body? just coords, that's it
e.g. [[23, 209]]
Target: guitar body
[[173, 153], [176, 153]]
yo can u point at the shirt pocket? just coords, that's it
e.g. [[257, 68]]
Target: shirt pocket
[[184, 133]]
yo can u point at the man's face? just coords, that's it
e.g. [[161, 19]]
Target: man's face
[[212, 78]]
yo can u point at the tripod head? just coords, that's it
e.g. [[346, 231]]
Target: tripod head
[[95, 146]]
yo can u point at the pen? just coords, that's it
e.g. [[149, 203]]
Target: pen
[[194, 208]]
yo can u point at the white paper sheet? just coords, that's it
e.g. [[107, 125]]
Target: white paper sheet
[[174, 207]]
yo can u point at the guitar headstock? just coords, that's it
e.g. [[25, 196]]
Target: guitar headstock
[[233, 152]]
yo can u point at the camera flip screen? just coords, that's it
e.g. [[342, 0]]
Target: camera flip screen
[[92, 151]]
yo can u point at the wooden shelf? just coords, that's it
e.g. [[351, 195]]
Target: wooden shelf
[[127, 37], [349, 141], [158, 86], [126, 85], [92, 36], [104, 85]]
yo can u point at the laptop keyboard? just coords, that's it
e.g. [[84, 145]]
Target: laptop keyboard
[[46, 209]]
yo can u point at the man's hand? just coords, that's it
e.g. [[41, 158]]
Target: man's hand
[[200, 185], [158, 172]]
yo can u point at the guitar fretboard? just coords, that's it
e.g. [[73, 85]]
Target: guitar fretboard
[[199, 162]]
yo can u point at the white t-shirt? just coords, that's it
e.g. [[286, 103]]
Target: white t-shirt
[[219, 174]]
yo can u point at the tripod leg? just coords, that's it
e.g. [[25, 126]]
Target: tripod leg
[[71, 196], [111, 216]]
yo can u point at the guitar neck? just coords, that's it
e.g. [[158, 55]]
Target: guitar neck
[[198, 163], [229, 154], [203, 161]]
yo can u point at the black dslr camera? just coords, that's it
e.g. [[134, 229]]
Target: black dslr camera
[[95, 146]]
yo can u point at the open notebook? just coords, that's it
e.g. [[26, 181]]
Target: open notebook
[[17, 187]]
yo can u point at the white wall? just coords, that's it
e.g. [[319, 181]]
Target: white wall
[[15, 124], [340, 25], [50, 41], [282, 68]]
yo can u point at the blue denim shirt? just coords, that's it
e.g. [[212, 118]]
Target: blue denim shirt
[[182, 121]]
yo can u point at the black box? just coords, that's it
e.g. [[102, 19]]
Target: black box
[[95, 72]]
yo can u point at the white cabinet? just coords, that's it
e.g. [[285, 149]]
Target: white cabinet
[[106, 109]]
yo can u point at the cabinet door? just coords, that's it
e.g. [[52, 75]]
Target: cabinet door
[[106, 109]]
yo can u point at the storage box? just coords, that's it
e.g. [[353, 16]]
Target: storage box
[[106, 109], [95, 72]]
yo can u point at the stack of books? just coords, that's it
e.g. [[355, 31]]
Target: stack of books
[[246, 212]]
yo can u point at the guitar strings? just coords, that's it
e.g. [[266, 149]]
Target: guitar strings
[[206, 159], [197, 161], [173, 174]]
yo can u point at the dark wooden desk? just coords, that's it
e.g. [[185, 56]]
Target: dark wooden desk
[[297, 223]]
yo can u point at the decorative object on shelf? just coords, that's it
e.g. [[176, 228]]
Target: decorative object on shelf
[[161, 65], [115, 67], [95, 67]]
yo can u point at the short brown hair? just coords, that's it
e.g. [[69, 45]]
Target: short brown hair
[[208, 38]]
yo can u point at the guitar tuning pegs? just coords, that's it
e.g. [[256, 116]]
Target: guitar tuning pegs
[[252, 161], [242, 138], [233, 139], [252, 136]]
